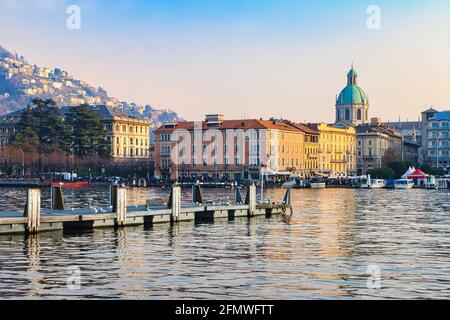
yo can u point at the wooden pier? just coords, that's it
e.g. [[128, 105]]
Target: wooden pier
[[119, 214]]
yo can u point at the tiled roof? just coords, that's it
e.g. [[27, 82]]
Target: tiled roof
[[377, 129], [430, 110], [234, 124], [305, 128]]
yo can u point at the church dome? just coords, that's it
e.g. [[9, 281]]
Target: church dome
[[352, 94]]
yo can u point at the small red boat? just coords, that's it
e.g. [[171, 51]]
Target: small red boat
[[71, 185]]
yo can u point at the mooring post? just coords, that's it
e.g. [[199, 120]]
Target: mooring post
[[288, 201], [57, 198], [33, 210], [287, 197], [119, 199], [175, 203], [238, 197], [250, 199], [197, 194], [112, 195]]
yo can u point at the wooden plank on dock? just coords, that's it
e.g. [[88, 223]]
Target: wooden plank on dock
[[34, 220]]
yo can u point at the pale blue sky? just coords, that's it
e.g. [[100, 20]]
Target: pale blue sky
[[247, 58]]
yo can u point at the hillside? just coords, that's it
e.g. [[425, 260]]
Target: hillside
[[20, 82]]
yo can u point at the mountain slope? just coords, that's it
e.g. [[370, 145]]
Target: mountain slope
[[20, 82]]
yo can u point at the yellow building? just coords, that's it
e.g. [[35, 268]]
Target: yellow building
[[129, 136], [310, 162], [337, 149], [287, 147]]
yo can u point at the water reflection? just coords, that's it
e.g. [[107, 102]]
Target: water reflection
[[322, 251]]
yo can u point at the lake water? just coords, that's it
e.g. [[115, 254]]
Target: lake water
[[337, 245]]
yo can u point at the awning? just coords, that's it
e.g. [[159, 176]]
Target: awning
[[409, 172], [418, 174]]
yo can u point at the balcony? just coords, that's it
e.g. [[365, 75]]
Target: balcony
[[339, 161], [439, 129], [440, 157]]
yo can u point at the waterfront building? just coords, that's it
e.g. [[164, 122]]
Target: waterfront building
[[352, 104], [426, 117], [377, 145], [337, 149], [410, 130], [310, 164], [438, 138], [247, 148], [129, 136], [7, 129], [411, 151], [423, 134]]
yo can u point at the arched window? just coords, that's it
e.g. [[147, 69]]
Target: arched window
[[347, 114], [359, 114]]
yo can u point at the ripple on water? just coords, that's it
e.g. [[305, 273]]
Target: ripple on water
[[323, 251]]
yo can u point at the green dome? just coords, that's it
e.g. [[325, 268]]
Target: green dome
[[352, 95]]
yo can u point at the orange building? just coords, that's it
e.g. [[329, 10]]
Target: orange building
[[232, 149]]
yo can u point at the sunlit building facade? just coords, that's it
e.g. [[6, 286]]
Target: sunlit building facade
[[337, 149]]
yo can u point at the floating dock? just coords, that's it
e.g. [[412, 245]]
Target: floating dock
[[119, 214]]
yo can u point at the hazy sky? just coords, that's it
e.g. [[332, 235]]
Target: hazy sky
[[247, 58]]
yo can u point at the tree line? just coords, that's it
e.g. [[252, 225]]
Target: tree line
[[46, 140]]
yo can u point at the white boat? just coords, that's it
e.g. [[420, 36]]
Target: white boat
[[318, 183], [294, 181], [369, 183], [377, 184], [431, 183], [404, 184]]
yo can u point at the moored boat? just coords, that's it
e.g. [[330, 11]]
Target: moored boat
[[318, 183], [294, 182], [404, 184], [369, 183], [431, 183], [377, 184]]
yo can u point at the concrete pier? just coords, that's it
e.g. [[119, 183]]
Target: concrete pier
[[119, 214]]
